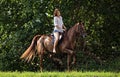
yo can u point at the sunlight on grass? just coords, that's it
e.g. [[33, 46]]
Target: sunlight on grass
[[59, 74]]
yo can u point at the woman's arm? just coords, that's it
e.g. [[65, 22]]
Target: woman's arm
[[64, 27]]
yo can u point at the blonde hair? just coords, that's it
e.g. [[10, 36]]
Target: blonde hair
[[56, 11]]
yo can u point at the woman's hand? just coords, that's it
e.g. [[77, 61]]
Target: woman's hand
[[64, 27]]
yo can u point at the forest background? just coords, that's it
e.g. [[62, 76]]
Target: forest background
[[21, 20]]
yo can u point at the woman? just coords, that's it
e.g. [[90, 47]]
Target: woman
[[58, 27]]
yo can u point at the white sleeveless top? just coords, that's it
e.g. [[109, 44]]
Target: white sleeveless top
[[58, 21]]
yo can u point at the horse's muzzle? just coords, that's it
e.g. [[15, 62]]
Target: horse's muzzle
[[84, 35]]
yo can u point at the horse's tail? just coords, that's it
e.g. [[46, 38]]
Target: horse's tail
[[30, 52]]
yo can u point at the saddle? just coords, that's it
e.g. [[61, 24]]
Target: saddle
[[60, 38]]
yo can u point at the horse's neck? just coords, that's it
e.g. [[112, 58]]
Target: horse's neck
[[71, 34]]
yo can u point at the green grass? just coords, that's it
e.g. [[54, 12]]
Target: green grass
[[59, 74]]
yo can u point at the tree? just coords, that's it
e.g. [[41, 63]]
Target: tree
[[20, 20]]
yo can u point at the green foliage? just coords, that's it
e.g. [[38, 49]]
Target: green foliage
[[21, 20]]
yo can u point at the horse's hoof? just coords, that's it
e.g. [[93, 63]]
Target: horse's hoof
[[61, 63], [73, 63]]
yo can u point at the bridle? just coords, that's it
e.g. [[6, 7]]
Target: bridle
[[80, 29]]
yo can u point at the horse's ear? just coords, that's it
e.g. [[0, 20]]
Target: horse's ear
[[81, 22]]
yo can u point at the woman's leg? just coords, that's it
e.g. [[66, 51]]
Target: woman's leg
[[56, 35]]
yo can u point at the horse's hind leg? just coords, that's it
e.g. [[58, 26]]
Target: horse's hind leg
[[40, 54], [40, 51], [41, 59]]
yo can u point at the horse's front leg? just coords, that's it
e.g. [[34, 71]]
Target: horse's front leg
[[56, 59], [68, 61], [70, 54], [74, 59]]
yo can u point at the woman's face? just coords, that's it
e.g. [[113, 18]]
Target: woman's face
[[58, 13]]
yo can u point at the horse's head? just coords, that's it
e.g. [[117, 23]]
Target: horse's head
[[80, 29]]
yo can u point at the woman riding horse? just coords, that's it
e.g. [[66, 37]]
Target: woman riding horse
[[43, 44], [59, 27]]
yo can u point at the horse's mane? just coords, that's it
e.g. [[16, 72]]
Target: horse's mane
[[72, 28], [70, 34]]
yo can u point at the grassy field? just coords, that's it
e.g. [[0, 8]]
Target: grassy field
[[59, 74]]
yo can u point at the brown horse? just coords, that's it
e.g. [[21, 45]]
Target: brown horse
[[43, 44]]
